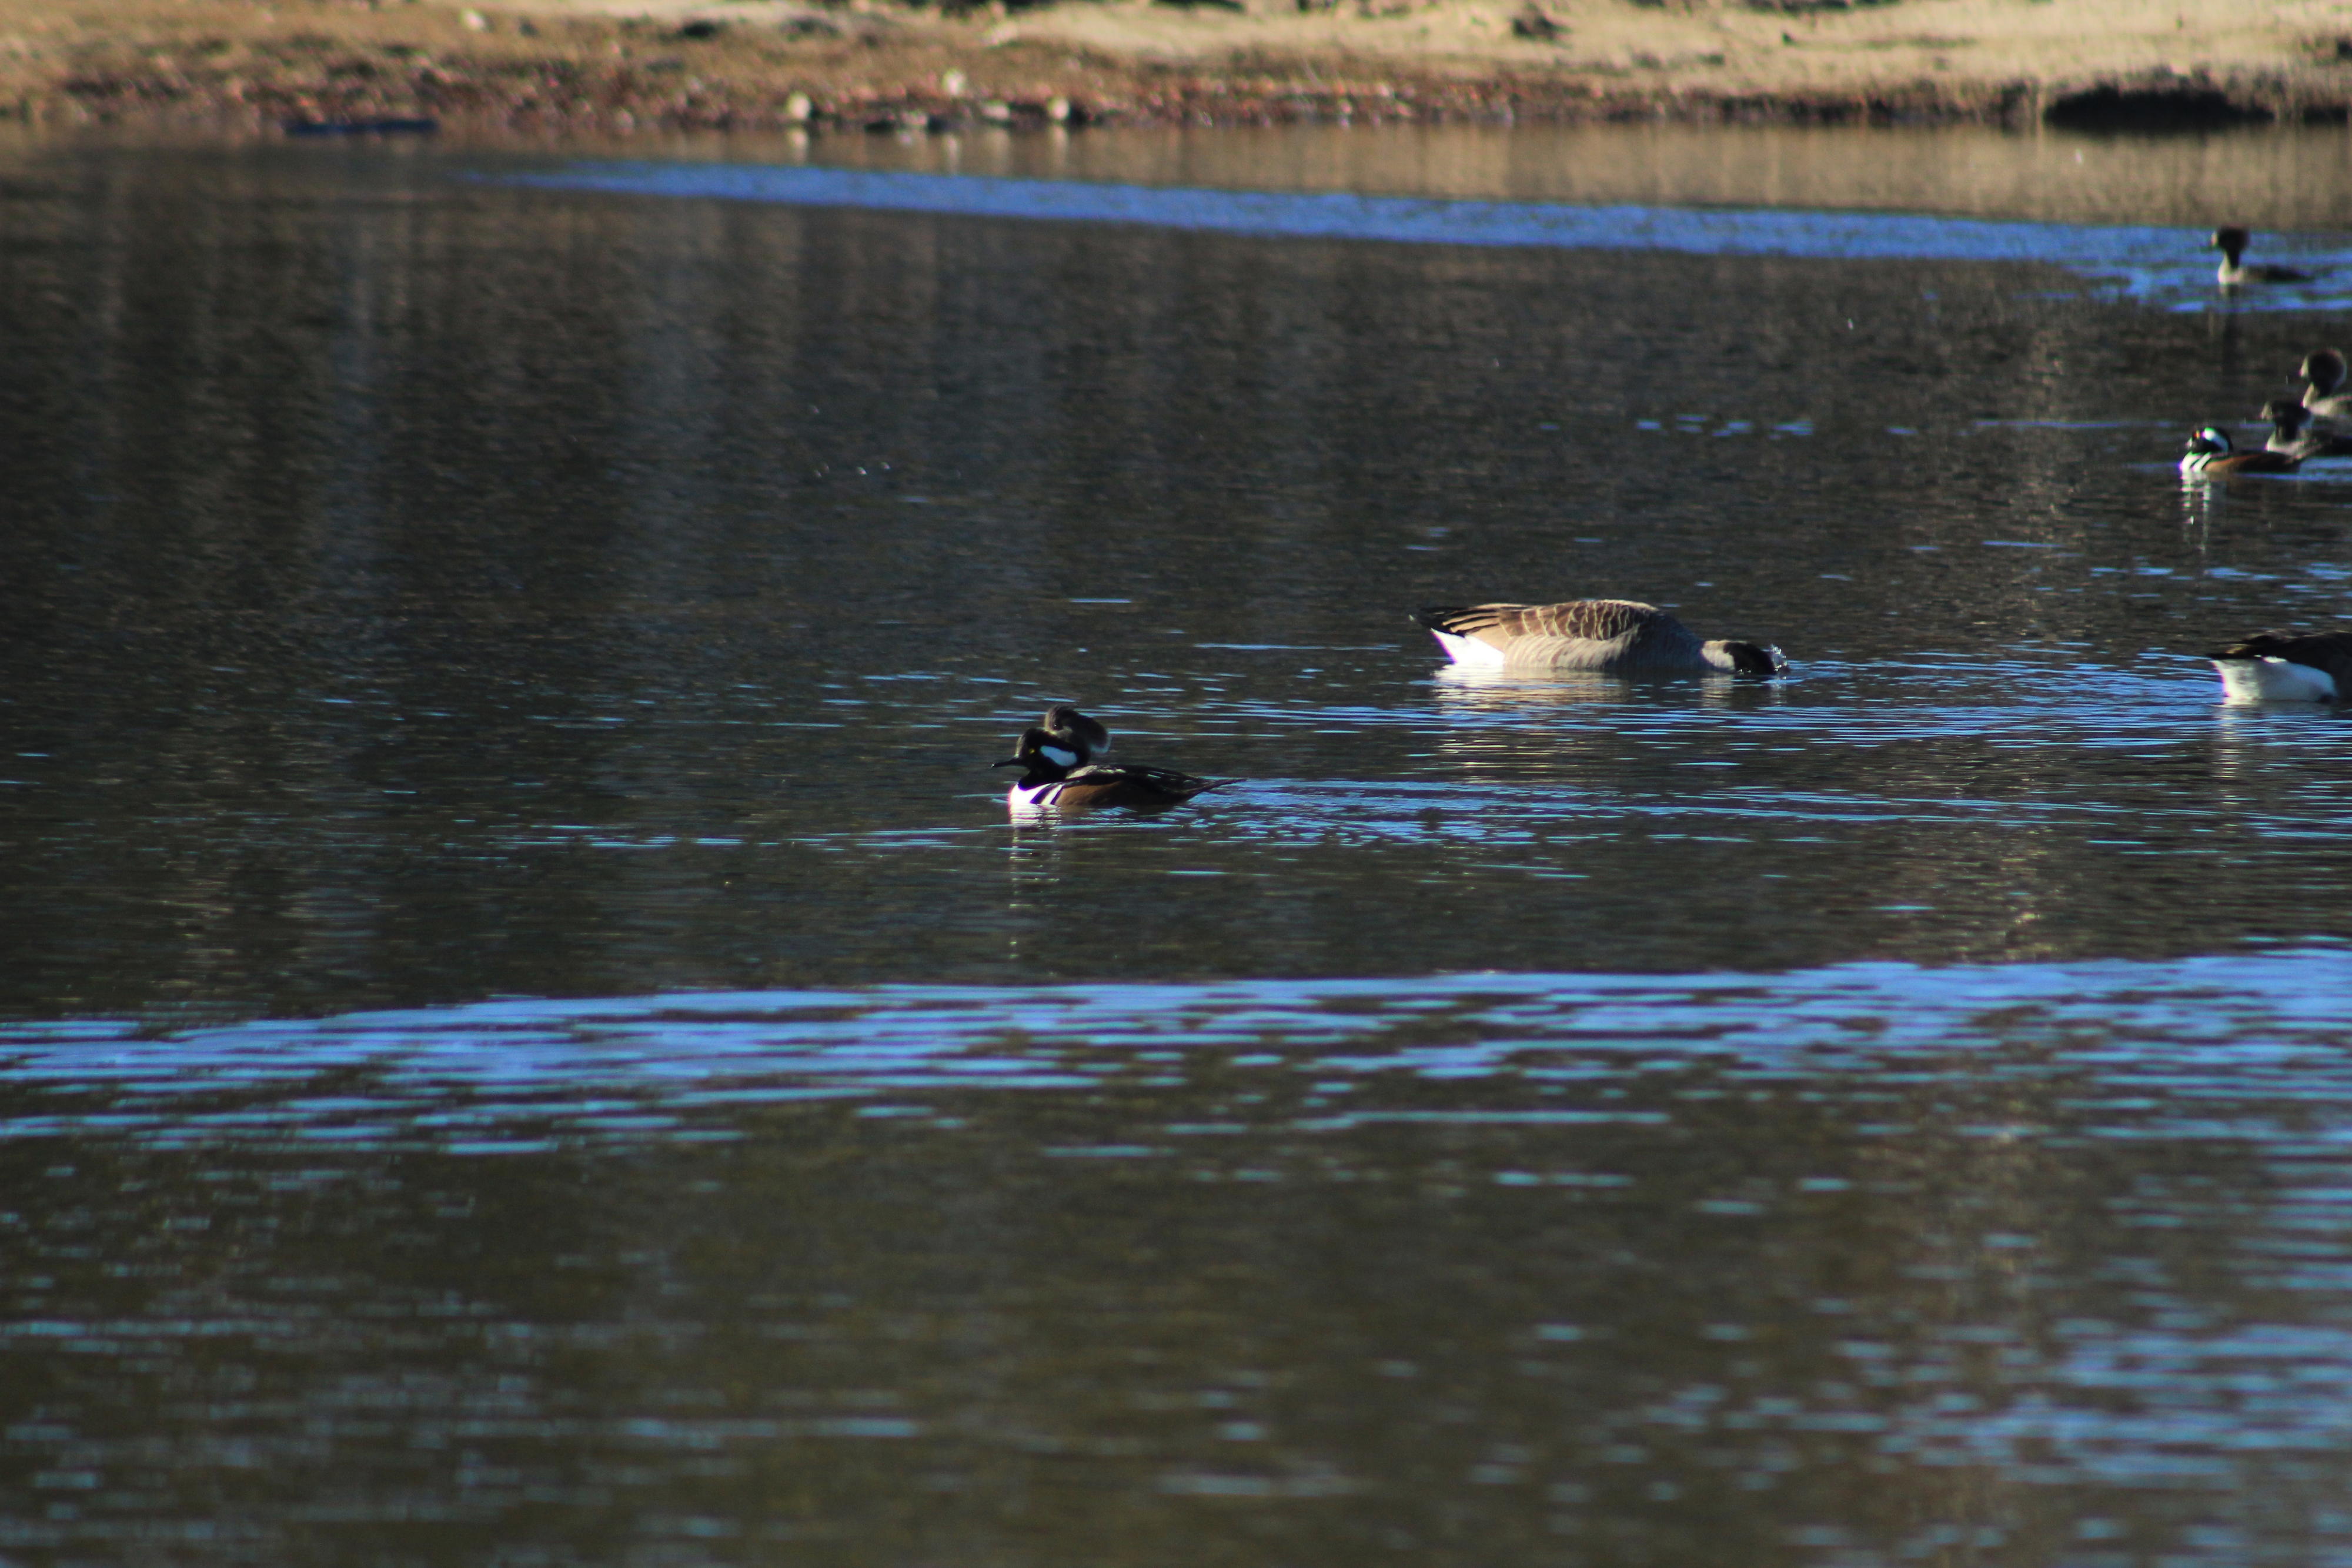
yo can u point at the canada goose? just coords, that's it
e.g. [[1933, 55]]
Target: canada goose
[[1619, 635], [2282, 666], [2231, 243]]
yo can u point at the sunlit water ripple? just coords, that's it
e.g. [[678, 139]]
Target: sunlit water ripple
[[2214, 1030], [2230, 1061], [2157, 265], [528, 1019]]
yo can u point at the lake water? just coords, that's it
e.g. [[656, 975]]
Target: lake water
[[527, 1035]]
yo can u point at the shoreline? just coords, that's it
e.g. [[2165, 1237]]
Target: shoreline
[[602, 68]]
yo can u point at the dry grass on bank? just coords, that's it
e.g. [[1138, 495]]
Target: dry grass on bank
[[614, 65]]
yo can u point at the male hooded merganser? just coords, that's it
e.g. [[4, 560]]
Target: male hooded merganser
[[1617, 635], [1074, 731], [2323, 368], [1056, 774], [2231, 243], [2210, 452], [2290, 432], [2279, 666]]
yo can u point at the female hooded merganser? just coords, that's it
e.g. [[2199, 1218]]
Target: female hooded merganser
[[2278, 666], [2210, 452], [1056, 774], [2231, 243], [2290, 432], [1617, 635], [2323, 368]]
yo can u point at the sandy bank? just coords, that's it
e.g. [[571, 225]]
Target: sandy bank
[[608, 66]]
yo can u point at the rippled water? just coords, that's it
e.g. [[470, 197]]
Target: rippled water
[[529, 1036], [2160, 265]]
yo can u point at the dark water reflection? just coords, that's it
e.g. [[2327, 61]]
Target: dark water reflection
[[422, 590], [419, 590]]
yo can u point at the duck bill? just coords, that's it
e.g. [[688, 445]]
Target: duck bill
[[1008, 762]]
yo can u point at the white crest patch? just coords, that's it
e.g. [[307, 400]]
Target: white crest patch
[[1057, 757]]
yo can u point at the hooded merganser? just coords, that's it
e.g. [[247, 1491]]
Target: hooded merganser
[[2231, 243], [2210, 452], [1056, 774], [2280, 667], [1074, 731], [1617, 635], [2324, 369], [2290, 432]]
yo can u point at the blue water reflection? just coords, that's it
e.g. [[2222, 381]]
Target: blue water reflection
[[2069, 1226], [2163, 266], [2264, 1027]]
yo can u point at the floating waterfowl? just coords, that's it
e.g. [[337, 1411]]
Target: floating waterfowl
[[1619, 636], [2231, 243], [2290, 432], [1074, 731], [2210, 455], [1056, 775], [2323, 369], [2283, 667]]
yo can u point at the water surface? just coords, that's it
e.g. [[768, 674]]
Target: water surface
[[531, 1037]]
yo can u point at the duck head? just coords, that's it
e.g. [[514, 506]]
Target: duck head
[[1074, 731], [1047, 757], [2287, 416]]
